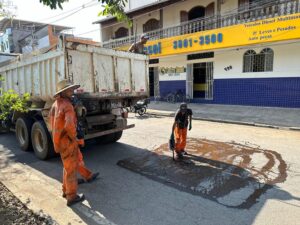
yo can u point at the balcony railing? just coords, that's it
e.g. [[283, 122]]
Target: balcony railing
[[244, 14]]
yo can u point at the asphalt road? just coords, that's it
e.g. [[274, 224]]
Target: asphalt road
[[128, 197]]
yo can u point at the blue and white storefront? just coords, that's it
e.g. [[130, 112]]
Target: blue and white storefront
[[260, 75]]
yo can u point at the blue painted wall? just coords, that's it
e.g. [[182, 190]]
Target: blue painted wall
[[165, 87], [276, 92], [281, 92]]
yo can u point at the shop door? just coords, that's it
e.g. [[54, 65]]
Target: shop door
[[203, 80], [153, 81], [199, 85]]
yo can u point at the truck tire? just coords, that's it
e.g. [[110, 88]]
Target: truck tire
[[109, 138], [41, 141], [117, 136], [23, 133], [105, 139]]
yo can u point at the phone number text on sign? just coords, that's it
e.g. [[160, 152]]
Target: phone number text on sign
[[203, 40]]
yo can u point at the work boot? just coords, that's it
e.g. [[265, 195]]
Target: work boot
[[93, 177], [178, 156], [183, 152], [78, 198], [80, 181]]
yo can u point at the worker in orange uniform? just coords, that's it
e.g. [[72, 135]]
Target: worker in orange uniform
[[183, 120], [63, 128]]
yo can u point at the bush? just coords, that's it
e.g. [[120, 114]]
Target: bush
[[11, 101]]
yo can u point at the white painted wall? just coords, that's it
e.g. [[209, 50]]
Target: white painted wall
[[132, 4], [286, 62], [172, 13], [142, 19], [171, 16], [172, 62], [229, 6], [108, 33]]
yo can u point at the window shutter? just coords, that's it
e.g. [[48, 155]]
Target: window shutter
[[184, 16], [210, 10]]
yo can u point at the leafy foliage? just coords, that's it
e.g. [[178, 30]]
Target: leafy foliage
[[53, 4], [111, 7], [115, 8], [11, 101]]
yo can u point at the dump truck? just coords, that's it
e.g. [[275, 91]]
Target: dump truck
[[110, 81]]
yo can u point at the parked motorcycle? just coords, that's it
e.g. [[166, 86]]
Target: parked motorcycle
[[140, 107]]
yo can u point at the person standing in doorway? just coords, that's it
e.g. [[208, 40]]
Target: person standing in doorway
[[183, 121], [138, 47]]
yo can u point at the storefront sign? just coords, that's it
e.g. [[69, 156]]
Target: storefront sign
[[261, 31], [172, 73]]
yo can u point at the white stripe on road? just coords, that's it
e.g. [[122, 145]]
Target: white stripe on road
[[96, 216]]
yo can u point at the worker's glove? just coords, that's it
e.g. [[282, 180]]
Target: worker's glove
[[80, 110], [80, 142], [190, 127]]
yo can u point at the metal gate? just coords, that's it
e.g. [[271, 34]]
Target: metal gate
[[189, 81], [209, 81]]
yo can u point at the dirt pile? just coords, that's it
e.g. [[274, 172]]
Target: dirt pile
[[13, 211]]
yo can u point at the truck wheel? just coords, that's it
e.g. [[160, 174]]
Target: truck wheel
[[105, 139], [41, 141], [118, 135], [23, 132], [109, 138]]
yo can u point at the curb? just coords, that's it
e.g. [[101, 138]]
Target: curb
[[168, 114]]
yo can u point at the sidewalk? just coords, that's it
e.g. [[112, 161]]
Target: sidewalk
[[283, 118]]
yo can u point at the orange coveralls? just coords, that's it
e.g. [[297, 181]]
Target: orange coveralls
[[180, 133], [180, 139], [63, 127]]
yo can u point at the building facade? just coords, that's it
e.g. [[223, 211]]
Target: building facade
[[20, 36], [239, 52]]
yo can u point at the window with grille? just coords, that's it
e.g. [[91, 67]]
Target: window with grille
[[121, 32], [151, 25], [258, 62]]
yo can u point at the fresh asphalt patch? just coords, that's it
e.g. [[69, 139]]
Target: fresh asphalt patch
[[230, 174]]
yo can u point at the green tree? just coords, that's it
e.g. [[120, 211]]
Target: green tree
[[11, 101], [111, 7]]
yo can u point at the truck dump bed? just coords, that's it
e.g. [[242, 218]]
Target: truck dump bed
[[102, 73]]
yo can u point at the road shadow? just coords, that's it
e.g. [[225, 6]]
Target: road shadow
[[226, 178]]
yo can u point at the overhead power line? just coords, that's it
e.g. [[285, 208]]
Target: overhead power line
[[87, 32], [71, 10], [72, 13]]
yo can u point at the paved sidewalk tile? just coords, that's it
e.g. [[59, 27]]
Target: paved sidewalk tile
[[249, 115]]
